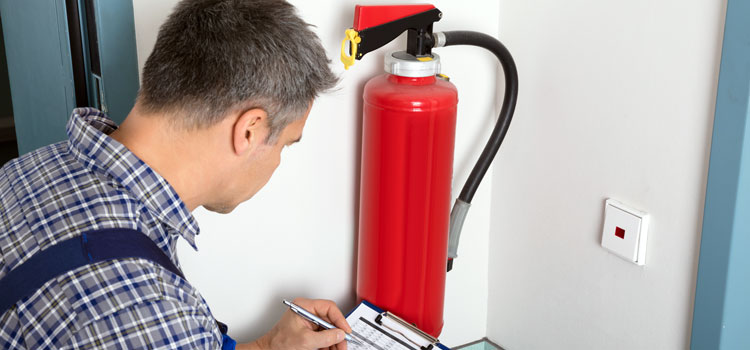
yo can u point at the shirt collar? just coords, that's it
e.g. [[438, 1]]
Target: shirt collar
[[88, 141]]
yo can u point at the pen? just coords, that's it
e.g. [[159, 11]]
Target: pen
[[317, 320]]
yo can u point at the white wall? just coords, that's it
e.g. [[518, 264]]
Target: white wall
[[297, 236], [616, 100]]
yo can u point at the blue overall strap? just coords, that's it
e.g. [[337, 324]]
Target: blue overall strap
[[88, 248], [68, 255]]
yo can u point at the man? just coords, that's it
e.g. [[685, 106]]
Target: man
[[228, 85]]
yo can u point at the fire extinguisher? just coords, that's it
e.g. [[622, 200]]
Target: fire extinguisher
[[408, 235]]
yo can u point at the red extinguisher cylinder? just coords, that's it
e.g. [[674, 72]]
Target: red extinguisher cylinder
[[408, 139]]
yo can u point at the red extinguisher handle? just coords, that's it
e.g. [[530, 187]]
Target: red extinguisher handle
[[375, 26]]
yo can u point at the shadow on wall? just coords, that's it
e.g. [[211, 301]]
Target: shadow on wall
[[357, 132]]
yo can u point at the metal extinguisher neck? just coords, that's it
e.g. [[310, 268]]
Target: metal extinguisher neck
[[403, 64]]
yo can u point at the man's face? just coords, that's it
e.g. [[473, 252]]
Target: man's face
[[256, 170]]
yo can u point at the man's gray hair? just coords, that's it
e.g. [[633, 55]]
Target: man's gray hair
[[213, 57]]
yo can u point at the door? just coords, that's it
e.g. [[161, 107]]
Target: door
[[63, 54], [722, 294]]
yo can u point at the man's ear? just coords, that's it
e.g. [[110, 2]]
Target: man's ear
[[250, 130]]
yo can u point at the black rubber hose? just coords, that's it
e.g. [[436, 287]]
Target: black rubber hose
[[461, 37]]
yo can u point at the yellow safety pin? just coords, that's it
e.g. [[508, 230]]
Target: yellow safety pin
[[352, 36]]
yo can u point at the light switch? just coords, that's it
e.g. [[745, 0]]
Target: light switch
[[625, 231]]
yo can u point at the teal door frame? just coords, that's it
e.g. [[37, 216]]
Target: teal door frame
[[40, 63], [39, 69], [117, 53], [721, 317]]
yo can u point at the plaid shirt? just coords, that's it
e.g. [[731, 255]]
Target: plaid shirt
[[86, 183]]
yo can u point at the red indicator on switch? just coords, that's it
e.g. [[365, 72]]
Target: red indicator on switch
[[619, 232]]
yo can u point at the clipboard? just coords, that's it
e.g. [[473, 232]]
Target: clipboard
[[382, 330]]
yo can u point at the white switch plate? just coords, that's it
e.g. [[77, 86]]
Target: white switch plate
[[625, 231]]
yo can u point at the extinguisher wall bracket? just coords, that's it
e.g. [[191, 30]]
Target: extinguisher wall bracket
[[419, 42]]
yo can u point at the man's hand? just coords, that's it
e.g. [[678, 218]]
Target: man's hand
[[295, 333]]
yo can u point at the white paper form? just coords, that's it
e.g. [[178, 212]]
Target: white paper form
[[388, 336]]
